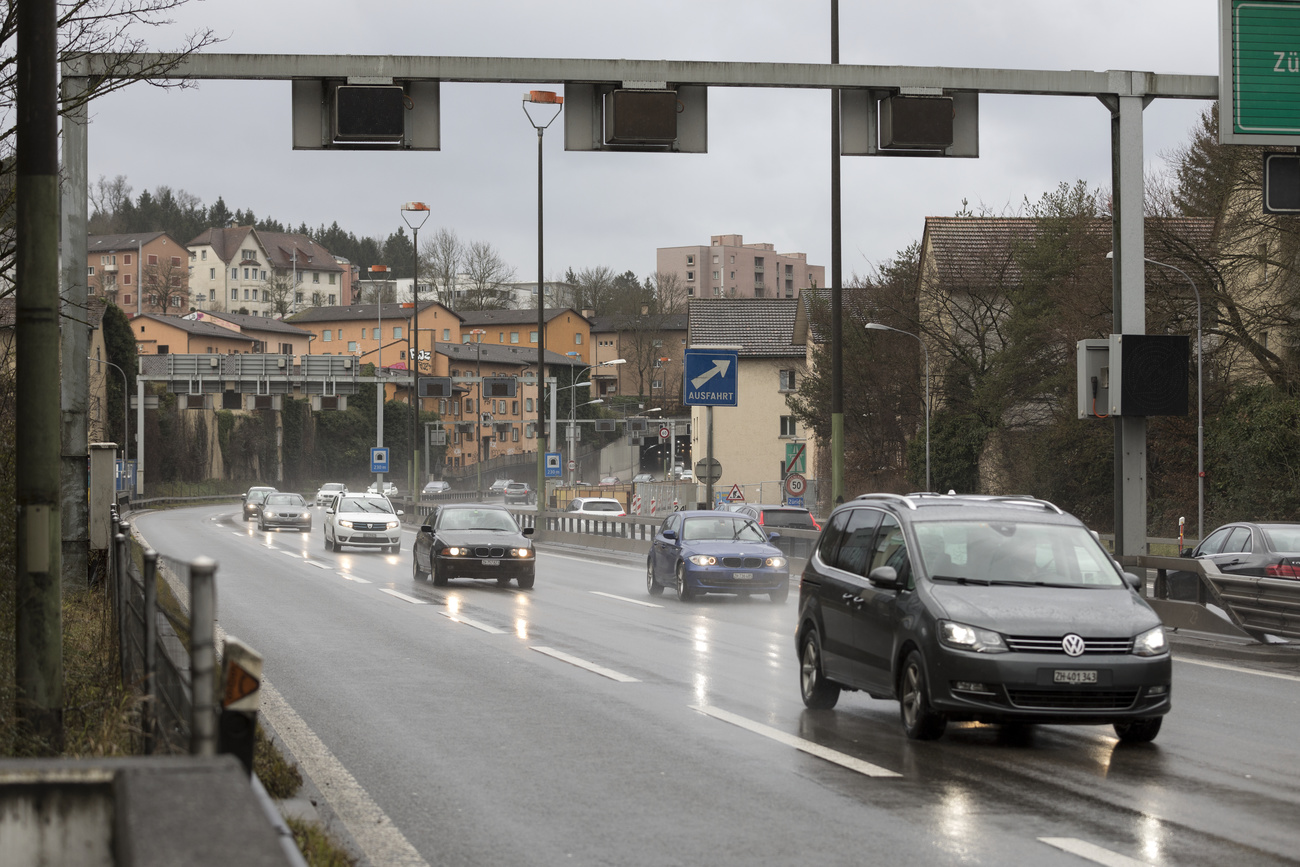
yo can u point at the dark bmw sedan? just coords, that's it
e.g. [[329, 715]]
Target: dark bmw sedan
[[1244, 548], [715, 552], [473, 540], [987, 609]]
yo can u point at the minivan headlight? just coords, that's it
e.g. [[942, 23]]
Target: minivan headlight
[[1151, 643], [702, 560], [963, 637]]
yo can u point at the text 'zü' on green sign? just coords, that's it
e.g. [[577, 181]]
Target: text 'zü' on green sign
[[1265, 67]]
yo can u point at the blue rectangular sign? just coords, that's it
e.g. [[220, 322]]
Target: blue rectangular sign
[[710, 377], [553, 465], [379, 460]]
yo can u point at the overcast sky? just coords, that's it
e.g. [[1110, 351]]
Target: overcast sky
[[766, 175]]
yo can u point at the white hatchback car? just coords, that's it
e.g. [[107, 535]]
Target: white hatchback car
[[364, 521], [327, 491], [605, 507]]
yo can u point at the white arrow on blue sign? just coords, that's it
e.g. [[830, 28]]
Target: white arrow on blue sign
[[710, 377]]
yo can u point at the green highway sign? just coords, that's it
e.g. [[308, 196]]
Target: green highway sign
[[1259, 72]]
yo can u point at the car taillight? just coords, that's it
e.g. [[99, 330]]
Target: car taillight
[[1283, 570], [760, 519]]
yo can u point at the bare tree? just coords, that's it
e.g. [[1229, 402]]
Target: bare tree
[[110, 28], [376, 292], [441, 260], [166, 284], [281, 290], [486, 271], [107, 200]]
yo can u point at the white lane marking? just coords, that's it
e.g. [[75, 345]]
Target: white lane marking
[[626, 599], [809, 747], [1239, 669], [353, 578], [589, 666], [318, 564], [375, 834], [403, 596], [1092, 852], [290, 554], [483, 627], [237, 533]]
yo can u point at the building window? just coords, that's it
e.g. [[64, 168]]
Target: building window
[[690, 259], [203, 254], [332, 276], [733, 276], [315, 276], [788, 426], [733, 259], [266, 294], [446, 335], [690, 291], [514, 407], [532, 337], [469, 405], [298, 298], [126, 279], [690, 275], [326, 336], [90, 270], [352, 346], [397, 332], [514, 434], [248, 255], [331, 300], [577, 339], [234, 294], [234, 273], [176, 260], [126, 259], [126, 299], [657, 383], [715, 258], [176, 300], [787, 380], [717, 291], [717, 275], [263, 275], [212, 273], [212, 294], [152, 299]]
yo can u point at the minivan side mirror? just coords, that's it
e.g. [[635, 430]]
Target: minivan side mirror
[[400, 512], [1133, 581], [885, 577]]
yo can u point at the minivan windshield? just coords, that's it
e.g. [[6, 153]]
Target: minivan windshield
[[1014, 553]]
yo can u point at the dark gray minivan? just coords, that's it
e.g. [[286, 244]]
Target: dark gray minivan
[[973, 608]]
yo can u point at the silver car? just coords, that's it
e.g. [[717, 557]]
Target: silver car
[[285, 511]]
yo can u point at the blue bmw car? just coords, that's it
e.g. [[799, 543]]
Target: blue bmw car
[[715, 552]]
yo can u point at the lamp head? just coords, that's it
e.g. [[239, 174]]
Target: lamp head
[[876, 326]]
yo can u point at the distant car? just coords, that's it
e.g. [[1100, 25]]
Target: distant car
[[774, 517], [610, 480], [518, 492], [389, 489], [642, 477], [683, 474], [433, 488], [363, 521], [700, 552], [606, 507], [473, 540], [253, 500], [327, 491], [285, 511], [1263, 550], [499, 487]]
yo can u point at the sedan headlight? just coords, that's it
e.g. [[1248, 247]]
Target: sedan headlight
[[521, 552], [1151, 643], [455, 552], [963, 637], [775, 562], [703, 560], [347, 524]]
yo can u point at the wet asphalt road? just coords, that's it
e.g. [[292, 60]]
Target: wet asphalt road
[[584, 722]]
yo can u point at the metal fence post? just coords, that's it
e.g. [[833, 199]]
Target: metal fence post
[[203, 657], [150, 716], [123, 546]]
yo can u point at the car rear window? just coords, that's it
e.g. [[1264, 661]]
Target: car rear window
[[603, 506], [1283, 539], [793, 518]]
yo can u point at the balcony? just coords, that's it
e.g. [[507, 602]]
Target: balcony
[[759, 285]]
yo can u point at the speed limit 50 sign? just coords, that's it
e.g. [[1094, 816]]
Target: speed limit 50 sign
[[795, 484]]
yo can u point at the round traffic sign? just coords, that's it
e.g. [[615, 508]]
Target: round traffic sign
[[573, 465], [795, 484], [663, 433], [708, 470]]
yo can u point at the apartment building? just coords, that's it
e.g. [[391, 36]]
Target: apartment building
[[730, 268], [142, 272], [238, 269]]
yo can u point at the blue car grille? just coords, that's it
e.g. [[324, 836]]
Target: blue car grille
[[1052, 644], [370, 525], [746, 562], [1072, 699]]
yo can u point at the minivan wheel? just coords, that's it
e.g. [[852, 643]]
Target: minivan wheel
[[1139, 731], [818, 692], [920, 722], [653, 587]]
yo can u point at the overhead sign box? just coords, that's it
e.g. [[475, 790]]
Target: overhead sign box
[[916, 122], [435, 386], [369, 113], [881, 123], [633, 116], [1282, 183], [641, 117], [499, 386]]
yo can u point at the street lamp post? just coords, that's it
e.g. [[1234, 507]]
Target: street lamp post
[[414, 213], [379, 369], [542, 101], [126, 411], [478, 409], [876, 326], [586, 370], [573, 424]]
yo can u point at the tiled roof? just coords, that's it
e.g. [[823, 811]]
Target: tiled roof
[[761, 327], [311, 256], [979, 251], [358, 313], [497, 354], [253, 323], [511, 317], [660, 322], [855, 305], [129, 242], [225, 242], [192, 326]]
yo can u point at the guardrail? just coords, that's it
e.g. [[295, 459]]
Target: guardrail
[[1255, 607]]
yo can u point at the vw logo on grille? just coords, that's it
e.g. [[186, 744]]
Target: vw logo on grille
[[1072, 645]]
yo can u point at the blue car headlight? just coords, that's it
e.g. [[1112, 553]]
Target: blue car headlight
[[775, 562], [703, 560]]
